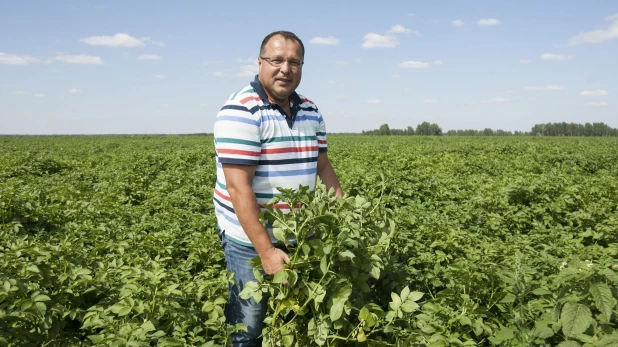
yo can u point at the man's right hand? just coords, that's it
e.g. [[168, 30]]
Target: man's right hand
[[273, 260]]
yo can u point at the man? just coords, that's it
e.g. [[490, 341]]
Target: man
[[266, 136]]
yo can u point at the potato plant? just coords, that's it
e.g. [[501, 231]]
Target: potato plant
[[440, 241]]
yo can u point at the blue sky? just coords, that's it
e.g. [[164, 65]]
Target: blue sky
[[96, 67]]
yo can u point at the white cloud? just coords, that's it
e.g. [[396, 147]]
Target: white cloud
[[248, 70], [484, 22], [75, 91], [389, 40], [79, 59], [510, 91], [598, 103], [398, 29], [241, 60], [495, 101], [331, 40], [159, 76], [341, 62], [219, 74], [11, 59], [458, 23], [599, 92], [118, 40], [414, 65], [18, 92], [374, 101], [373, 40], [152, 42], [332, 81], [395, 76], [149, 57], [524, 61], [597, 36], [431, 101], [558, 57], [550, 87], [39, 95], [438, 62]]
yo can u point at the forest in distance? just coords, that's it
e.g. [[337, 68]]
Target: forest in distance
[[432, 129], [543, 129]]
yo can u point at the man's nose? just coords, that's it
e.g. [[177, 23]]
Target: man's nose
[[285, 67]]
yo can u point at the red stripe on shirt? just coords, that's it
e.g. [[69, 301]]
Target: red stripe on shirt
[[236, 151], [321, 142], [289, 150], [249, 98], [307, 100], [227, 198]]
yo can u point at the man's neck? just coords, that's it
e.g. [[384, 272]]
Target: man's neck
[[285, 104]]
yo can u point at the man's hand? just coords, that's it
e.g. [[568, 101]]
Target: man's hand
[[273, 260]]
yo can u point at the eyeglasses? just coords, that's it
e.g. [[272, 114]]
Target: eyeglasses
[[278, 62]]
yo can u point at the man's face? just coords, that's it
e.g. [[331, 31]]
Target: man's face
[[280, 82]]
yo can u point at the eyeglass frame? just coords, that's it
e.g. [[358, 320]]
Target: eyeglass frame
[[269, 60]]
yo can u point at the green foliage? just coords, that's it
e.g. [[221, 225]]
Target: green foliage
[[439, 241], [332, 294]]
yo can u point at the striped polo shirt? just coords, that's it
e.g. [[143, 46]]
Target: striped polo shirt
[[249, 130]]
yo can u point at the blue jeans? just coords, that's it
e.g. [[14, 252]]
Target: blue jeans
[[248, 312]]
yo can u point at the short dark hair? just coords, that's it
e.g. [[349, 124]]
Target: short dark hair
[[286, 35]]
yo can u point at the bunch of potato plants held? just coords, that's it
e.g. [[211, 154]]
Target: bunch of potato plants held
[[329, 293]]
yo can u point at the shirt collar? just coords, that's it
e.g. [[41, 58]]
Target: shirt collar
[[259, 89]]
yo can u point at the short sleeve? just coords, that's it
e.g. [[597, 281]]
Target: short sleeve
[[237, 136], [321, 135]]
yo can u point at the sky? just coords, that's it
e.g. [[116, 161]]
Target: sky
[[145, 67]]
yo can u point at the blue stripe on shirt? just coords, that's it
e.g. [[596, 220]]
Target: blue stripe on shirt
[[237, 161], [304, 117], [289, 161], [228, 218], [223, 205], [238, 119]]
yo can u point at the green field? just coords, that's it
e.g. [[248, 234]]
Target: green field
[[442, 241]]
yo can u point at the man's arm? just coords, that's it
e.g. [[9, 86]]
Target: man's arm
[[238, 179], [327, 174]]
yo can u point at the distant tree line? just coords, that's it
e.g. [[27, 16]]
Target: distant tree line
[[544, 129], [572, 129], [424, 128]]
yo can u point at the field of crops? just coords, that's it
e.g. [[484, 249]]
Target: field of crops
[[441, 241]]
